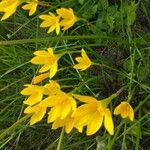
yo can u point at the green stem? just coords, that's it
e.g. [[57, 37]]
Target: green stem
[[13, 127], [60, 139]]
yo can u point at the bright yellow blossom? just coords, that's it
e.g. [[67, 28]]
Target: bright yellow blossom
[[48, 59], [62, 104], [31, 6], [39, 78], [50, 21], [83, 62], [8, 7], [93, 113], [37, 112], [125, 110], [67, 122], [52, 88], [36, 94], [69, 19]]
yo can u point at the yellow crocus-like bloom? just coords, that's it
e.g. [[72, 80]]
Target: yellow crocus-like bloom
[[52, 88], [39, 78], [36, 94], [50, 21], [61, 105], [67, 122], [31, 6], [69, 19], [8, 7], [125, 110], [92, 114], [48, 59], [37, 112], [83, 62]]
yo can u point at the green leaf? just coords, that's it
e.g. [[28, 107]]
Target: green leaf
[[81, 2], [131, 13]]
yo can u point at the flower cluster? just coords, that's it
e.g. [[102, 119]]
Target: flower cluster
[[65, 18], [68, 110], [9, 7]]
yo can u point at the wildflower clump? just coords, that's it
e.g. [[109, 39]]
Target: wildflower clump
[[64, 18], [68, 110]]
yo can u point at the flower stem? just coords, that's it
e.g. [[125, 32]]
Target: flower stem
[[60, 139]]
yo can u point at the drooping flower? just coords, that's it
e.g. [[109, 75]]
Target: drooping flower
[[37, 112], [31, 6], [67, 122], [50, 21], [125, 110], [8, 7], [83, 62], [35, 93], [69, 19], [48, 59], [39, 78], [61, 105], [93, 113]]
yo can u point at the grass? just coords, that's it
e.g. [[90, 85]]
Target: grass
[[116, 36]]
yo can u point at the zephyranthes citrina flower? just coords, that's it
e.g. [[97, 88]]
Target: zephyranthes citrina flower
[[125, 110], [67, 123], [48, 59], [61, 105], [50, 21], [35, 93], [37, 112], [83, 62], [31, 6], [39, 78], [69, 19], [93, 113], [8, 7], [52, 88]]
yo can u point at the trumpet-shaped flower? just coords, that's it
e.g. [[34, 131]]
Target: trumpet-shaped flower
[[48, 59], [31, 6], [69, 19], [125, 110], [92, 114], [8, 7], [37, 112], [35, 92], [67, 122], [50, 21], [83, 62], [62, 104]]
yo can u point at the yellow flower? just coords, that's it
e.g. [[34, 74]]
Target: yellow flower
[[31, 6], [8, 7], [62, 104], [37, 112], [67, 122], [51, 21], [93, 113], [69, 19], [48, 59], [40, 78], [125, 110], [52, 88], [35, 92], [83, 62]]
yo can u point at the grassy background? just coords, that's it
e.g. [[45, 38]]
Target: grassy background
[[119, 39]]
